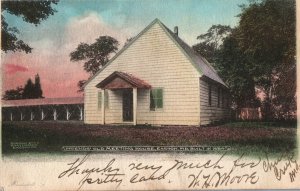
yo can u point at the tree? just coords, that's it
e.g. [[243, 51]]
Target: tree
[[128, 40], [13, 94], [38, 92], [80, 85], [266, 35], [30, 11], [206, 50], [94, 55], [211, 41], [232, 65], [220, 47], [258, 53], [28, 92]]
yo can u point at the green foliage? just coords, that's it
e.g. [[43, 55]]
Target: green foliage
[[206, 50], [80, 85], [232, 65], [94, 55], [9, 39], [215, 35], [38, 92], [266, 33], [211, 41], [128, 40], [30, 91], [30, 11], [258, 53], [221, 47], [267, 36], [13, 94]]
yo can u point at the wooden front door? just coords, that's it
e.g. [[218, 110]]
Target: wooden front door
[[127, 105]]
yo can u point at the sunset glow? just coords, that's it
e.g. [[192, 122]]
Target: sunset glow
[[75, 22]]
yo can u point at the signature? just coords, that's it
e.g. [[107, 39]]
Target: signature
[[234, 175], [286, 162], [203, 178], [107, 174]]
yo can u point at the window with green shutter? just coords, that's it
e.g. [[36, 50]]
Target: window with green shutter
[[156, 98], [223, 99], [209, 95], [106, 99], [99, 100], [219, 95]]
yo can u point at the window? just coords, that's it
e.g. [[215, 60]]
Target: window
[[228, 101], [106, 99], [100, 99], [156, 98], [223, 99], [209, 95], [219, 96]]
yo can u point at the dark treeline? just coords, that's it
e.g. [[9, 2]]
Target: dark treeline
[[29, 91], [258, 54]]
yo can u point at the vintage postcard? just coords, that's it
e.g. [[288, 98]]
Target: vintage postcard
[[149, 95]]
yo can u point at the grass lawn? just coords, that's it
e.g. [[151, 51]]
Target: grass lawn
[[251, 137]]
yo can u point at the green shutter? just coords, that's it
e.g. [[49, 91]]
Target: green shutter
[[159, 93], [219, 94], [156, 98], [106, 99], [159, 103], [223, 98], [209, 95], [159, 98], [99, 100], [152, 103]]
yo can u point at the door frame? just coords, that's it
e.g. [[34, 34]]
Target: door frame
[[130, 101]]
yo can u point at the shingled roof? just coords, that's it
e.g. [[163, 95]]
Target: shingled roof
[[43, 101], [201, 64], [129, 78]]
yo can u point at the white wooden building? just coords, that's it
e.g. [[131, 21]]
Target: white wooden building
[[156, 79]]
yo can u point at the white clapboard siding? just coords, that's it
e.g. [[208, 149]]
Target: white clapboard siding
[[156, 59], [211, 113]]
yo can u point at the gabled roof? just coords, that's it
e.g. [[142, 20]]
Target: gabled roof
[[200, 63], [42, 101], [129, 78]]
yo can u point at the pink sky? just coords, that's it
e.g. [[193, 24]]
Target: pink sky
[[58, 77], [50, 57]]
